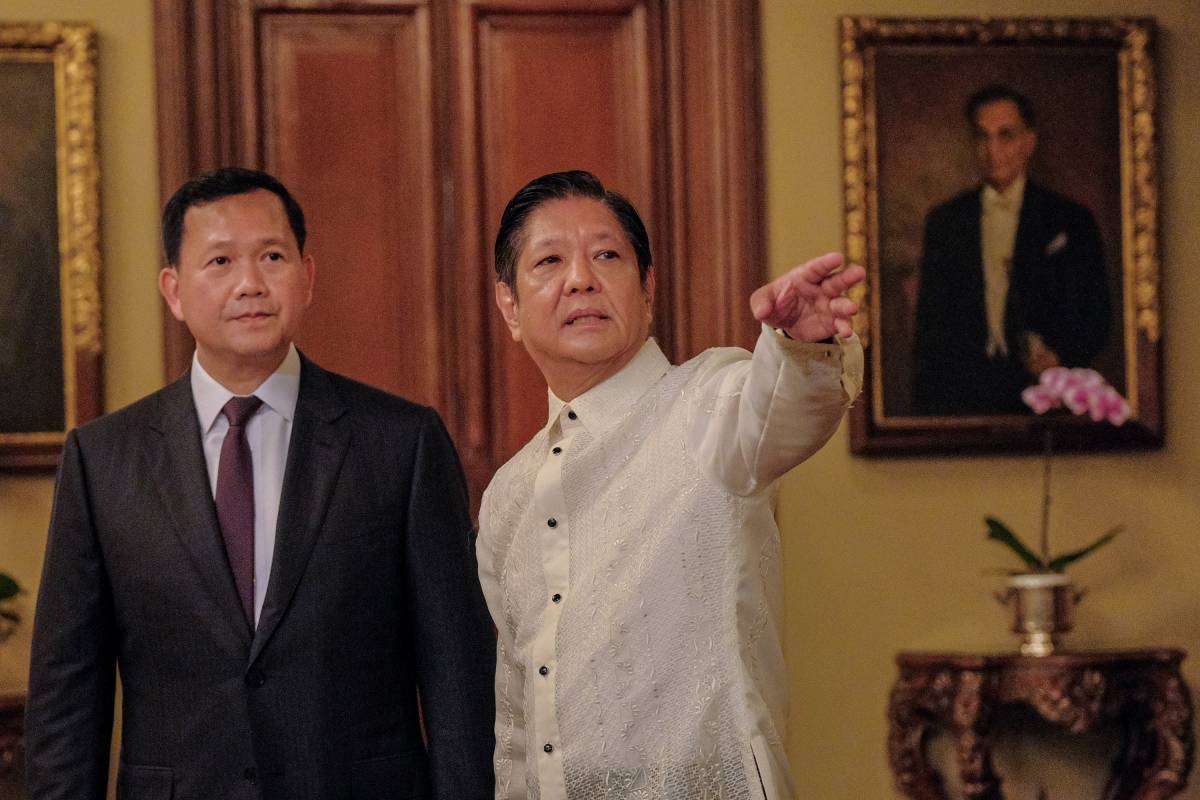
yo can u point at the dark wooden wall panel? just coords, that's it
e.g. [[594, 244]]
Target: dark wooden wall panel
[[347, 119]]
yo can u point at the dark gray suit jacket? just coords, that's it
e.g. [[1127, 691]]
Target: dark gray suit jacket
[[373, 596]]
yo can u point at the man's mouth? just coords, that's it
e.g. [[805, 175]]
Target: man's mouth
[[585, 315], [250, 316]]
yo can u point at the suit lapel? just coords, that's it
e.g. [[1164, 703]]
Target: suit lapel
[[1025, 262], [180, 477], [1029, 230], [320, 438], [972, 237]]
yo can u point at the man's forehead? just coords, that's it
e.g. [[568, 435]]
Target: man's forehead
[[588, 231], [223, 222], [259, 205], [999, 114]]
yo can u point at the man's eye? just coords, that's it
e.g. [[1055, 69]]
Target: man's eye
[[548, 260], [219, 261], [275, 256], [608, 254]]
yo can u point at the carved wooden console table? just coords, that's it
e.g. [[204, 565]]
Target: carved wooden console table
[[12, 733], [1141, 691]]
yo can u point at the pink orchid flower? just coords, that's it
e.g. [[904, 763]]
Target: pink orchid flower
[[1081, 391]]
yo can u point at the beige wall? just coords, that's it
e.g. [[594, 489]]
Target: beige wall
[[888, 555], [882, 555]]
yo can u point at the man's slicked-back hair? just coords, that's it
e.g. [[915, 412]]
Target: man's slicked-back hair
[[994, 92], [563, 186], [215, 185]]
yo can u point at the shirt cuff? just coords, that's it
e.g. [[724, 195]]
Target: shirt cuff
[[848, 351]]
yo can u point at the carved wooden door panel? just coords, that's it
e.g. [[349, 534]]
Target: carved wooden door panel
[[404, 127]]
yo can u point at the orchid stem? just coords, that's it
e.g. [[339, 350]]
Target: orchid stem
[[1046, 453]]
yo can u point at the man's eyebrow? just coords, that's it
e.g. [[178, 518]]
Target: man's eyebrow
[[267, 241]]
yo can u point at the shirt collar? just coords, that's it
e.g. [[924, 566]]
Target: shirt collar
[[279, 391], [600, 407], [1009, 198]]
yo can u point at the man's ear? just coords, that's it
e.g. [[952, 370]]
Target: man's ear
[[310, 276], [168, 287], [506, 301], [648, 291]]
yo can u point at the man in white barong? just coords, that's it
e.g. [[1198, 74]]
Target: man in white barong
[[629, 552]]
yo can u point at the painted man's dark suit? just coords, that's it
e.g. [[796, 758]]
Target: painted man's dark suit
[[1057, 289], [373, 596]]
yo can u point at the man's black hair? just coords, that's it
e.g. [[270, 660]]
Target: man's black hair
[[998, 91], [562, 186], [214, 185]]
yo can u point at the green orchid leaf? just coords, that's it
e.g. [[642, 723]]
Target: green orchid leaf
[[8, 587], [1059, 563], [999, 532]]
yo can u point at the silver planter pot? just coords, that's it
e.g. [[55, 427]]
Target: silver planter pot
[[1043, 606]]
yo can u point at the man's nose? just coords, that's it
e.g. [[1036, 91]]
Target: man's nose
[[250, 279], [580, 277]]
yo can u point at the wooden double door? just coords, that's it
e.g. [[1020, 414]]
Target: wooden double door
[[403, 127]]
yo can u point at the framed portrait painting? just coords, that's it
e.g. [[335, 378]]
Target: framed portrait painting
[[50, 323], [1001, 187]]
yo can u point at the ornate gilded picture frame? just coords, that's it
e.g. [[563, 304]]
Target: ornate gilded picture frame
[[1059, 117], [50, 320]]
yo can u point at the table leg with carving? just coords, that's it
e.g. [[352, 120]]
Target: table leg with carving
[[912, 712], [1166, 757], [974, 703]]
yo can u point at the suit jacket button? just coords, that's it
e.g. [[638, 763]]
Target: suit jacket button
[[255, 678]]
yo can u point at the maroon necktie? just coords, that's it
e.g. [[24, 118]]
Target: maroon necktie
[[235, 498]]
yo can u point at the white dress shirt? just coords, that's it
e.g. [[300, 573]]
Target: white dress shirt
[[630, 558], [268, 434], [1001, 211]]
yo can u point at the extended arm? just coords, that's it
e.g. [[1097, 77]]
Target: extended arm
[[751, 420]]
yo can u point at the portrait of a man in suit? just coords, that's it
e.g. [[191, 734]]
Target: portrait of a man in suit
[[276, 560], [1011, 279]]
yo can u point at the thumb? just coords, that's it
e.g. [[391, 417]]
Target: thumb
[[762, 302]]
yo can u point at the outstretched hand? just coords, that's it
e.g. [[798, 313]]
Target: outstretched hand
[[809, 302]]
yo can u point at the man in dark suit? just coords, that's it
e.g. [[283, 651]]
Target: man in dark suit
[[285, 583], [1012, 276]]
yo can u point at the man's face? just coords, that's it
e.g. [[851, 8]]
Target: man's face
[[579, 306], [241, 285], [1003, 143]]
